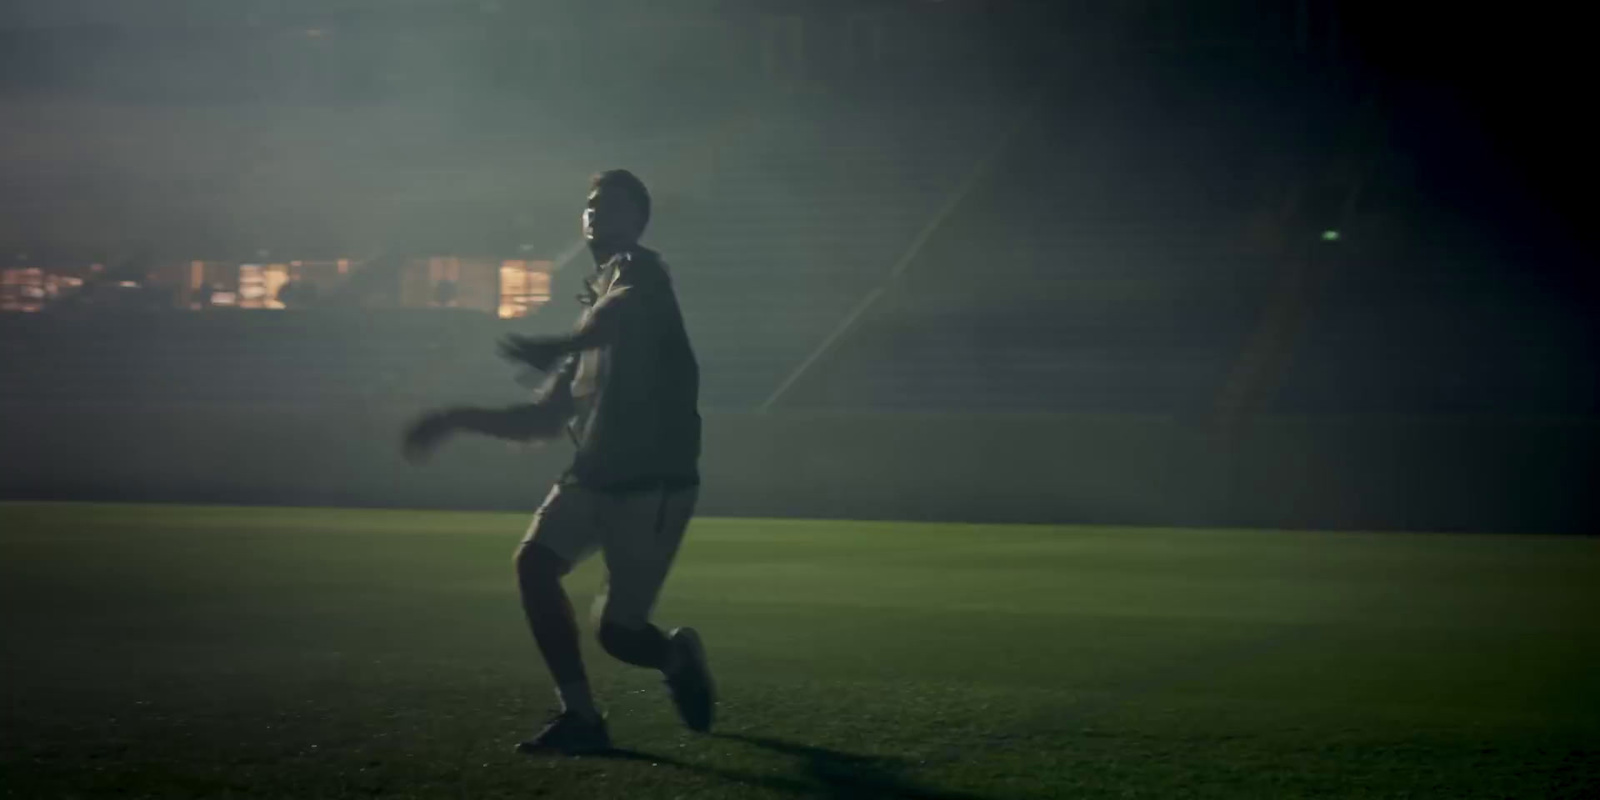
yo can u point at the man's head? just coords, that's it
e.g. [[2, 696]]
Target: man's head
[[617, 211]]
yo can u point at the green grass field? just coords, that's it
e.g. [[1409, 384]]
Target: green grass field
[[230, 652]]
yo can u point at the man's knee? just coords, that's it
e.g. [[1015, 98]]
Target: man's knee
[[537, 564]]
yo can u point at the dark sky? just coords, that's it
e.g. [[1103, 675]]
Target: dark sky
[[1499, 100]]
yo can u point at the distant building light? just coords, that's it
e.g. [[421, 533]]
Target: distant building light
[[316, 33], [128, 284], [1330, 236]]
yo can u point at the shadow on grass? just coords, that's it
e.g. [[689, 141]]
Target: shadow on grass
[[828, 773]]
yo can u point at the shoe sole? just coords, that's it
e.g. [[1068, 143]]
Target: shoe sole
[[697, 655], [531, 749]]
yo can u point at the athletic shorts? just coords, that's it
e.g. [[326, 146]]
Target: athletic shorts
[[637, 532]]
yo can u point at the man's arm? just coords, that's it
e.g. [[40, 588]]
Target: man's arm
[[600, 327], [545, 418]]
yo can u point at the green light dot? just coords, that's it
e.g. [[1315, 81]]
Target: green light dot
[[1330, 236]]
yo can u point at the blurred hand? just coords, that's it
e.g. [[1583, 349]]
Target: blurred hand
[[538, 353], [426, 433]]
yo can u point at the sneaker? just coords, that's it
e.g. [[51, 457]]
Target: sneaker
[[569, 733], [692, 690]]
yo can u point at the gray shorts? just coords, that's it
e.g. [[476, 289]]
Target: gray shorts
[[638, 533]]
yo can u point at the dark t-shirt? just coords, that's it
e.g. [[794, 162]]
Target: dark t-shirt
[[638, 424]]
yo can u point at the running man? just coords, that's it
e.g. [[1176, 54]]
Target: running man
[[625, 385]]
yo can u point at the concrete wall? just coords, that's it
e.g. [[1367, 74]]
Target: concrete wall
[[1435, 474]]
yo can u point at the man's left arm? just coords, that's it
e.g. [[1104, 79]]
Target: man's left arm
[[601, 326]]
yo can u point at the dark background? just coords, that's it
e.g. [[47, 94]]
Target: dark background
[[1126, 314]]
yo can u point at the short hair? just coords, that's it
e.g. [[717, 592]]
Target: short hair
[[623, 180]]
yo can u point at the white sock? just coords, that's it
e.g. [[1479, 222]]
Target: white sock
[[576, 699]]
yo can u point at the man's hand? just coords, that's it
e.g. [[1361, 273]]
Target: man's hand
[[426, 433], [541, 354]]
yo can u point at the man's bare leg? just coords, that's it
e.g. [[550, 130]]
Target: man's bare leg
[[554, 626]]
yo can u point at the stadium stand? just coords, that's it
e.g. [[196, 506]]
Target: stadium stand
[[809, 211], [1097, 267]]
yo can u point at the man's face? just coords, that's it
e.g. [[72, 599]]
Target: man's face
[[610, 217]]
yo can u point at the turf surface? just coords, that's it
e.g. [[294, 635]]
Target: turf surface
[[227, 652]]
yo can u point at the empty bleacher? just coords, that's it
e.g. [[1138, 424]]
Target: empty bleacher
[[1096, 268], [808, 210], [1444, 328], [240, 359], [768, 249]]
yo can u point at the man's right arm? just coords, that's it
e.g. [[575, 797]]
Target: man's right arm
[[544, 418], [601, 326]]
